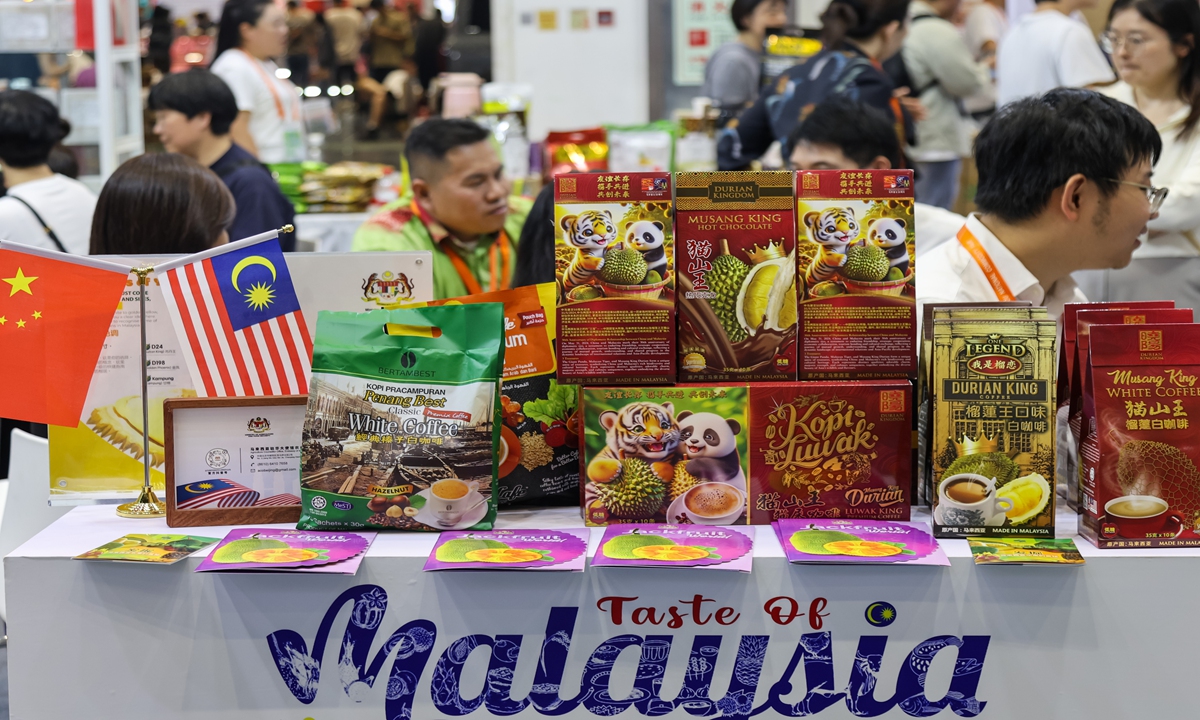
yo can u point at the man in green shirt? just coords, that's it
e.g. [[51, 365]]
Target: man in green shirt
[[459, 208]]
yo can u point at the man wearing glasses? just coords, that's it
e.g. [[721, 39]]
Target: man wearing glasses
[[1064, 185]]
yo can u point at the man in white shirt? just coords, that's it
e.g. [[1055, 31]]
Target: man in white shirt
[[841, 133], [1046, 49], [1049, 203], [41, 208]]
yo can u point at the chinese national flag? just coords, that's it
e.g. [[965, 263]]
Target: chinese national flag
[[55, 310]]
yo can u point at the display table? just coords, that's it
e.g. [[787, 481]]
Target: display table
[[329, 232], [1113, 639]]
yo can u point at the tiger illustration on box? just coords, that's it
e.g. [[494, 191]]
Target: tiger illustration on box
[[590, 232], [834, 229]]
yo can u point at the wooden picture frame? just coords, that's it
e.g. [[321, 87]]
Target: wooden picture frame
[[220, 490]]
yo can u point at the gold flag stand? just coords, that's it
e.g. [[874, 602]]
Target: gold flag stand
[[147, 505]]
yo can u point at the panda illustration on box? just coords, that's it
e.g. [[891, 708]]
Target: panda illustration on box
[[890, 234], [648, 238], [710, 446]]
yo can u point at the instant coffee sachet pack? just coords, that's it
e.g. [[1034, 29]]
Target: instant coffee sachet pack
[[403, 424]]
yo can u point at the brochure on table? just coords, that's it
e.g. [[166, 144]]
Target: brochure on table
[[100, 459], [510, 550], [872, 542], [271, 549], [1025, 551], [691, 546], [158, 549]]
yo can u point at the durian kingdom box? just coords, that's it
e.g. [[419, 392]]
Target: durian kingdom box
[[614, 254], [1080, 401], [736, 276], [1072, 371], [1139, 458], [831, 450], [992, 395], [857, 273], [675, 454], [921, 477]]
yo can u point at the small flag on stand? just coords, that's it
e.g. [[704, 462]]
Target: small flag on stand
[[219, 493], [55, 312], [238, 319]]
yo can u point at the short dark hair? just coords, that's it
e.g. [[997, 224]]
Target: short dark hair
[[429, 142], [859, 19], [742, 9], [197, 91], [1032, 146], [233, 14], [29, 128], [160, 204], [862, 132]]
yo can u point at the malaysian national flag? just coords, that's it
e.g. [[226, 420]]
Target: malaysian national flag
[[238, 319], [214, 493], [277, 500]]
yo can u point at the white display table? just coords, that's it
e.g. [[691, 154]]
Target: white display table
[[1116, 638]]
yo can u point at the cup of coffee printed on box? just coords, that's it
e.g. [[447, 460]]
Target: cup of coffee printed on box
[[714, 503], [970, 500], [1137, 517], [450, 498]]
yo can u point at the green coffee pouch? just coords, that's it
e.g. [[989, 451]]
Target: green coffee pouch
[[403, 423]]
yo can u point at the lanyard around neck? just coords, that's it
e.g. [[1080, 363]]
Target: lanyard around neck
[[270, 82], [499, 260], [968, 240]]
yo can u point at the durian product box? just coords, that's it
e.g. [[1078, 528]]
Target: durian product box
[[1081, 411], [677, 455], [857, 274], [1139, 460], [1069, 418], [835, 450], [736, 276], [921, 477], [614, 251], [992, 396]]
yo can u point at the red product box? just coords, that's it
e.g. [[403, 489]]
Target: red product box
[[615, 267], [736, 276], [1141, 485], [856, 253], [830, 450]]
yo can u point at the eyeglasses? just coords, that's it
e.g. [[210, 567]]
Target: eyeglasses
[[1110, 42], [1153, 194]]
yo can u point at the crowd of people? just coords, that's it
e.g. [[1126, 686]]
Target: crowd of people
[[1071, 179]]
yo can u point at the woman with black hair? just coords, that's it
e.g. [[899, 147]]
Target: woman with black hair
[[1153, 45], [269, 124], [858, 35], [731, 75]]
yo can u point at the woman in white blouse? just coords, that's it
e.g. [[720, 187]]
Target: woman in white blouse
[[269, 124], [1153, 45]]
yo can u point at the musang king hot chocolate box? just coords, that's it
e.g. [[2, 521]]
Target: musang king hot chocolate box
[[736, 276], [614, 256], [1141, 485], [857, 272], [830, 450]]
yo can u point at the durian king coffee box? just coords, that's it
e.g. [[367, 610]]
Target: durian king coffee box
[[736, 276], [737, 454], [615, 267], [993, 435], [1139, 458], [857, 274]]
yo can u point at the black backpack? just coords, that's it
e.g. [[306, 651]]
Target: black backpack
[[898, 71]]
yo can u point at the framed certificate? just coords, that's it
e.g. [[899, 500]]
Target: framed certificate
[[233, 461]]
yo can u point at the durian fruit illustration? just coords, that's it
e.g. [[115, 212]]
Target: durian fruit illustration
[[982, 457], [1029, 496], [637, 492], [725, 280], [1146, 467], [121, 425], [623, 267], [767, 298], [866, 263], [683, 481]]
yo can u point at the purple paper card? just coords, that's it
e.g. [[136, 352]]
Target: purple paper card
[[699, 546], [294, 550], [859, 541], [510, 550]]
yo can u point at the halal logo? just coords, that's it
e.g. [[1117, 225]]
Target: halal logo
[[258, 425], [408, 360], [881, 614]]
